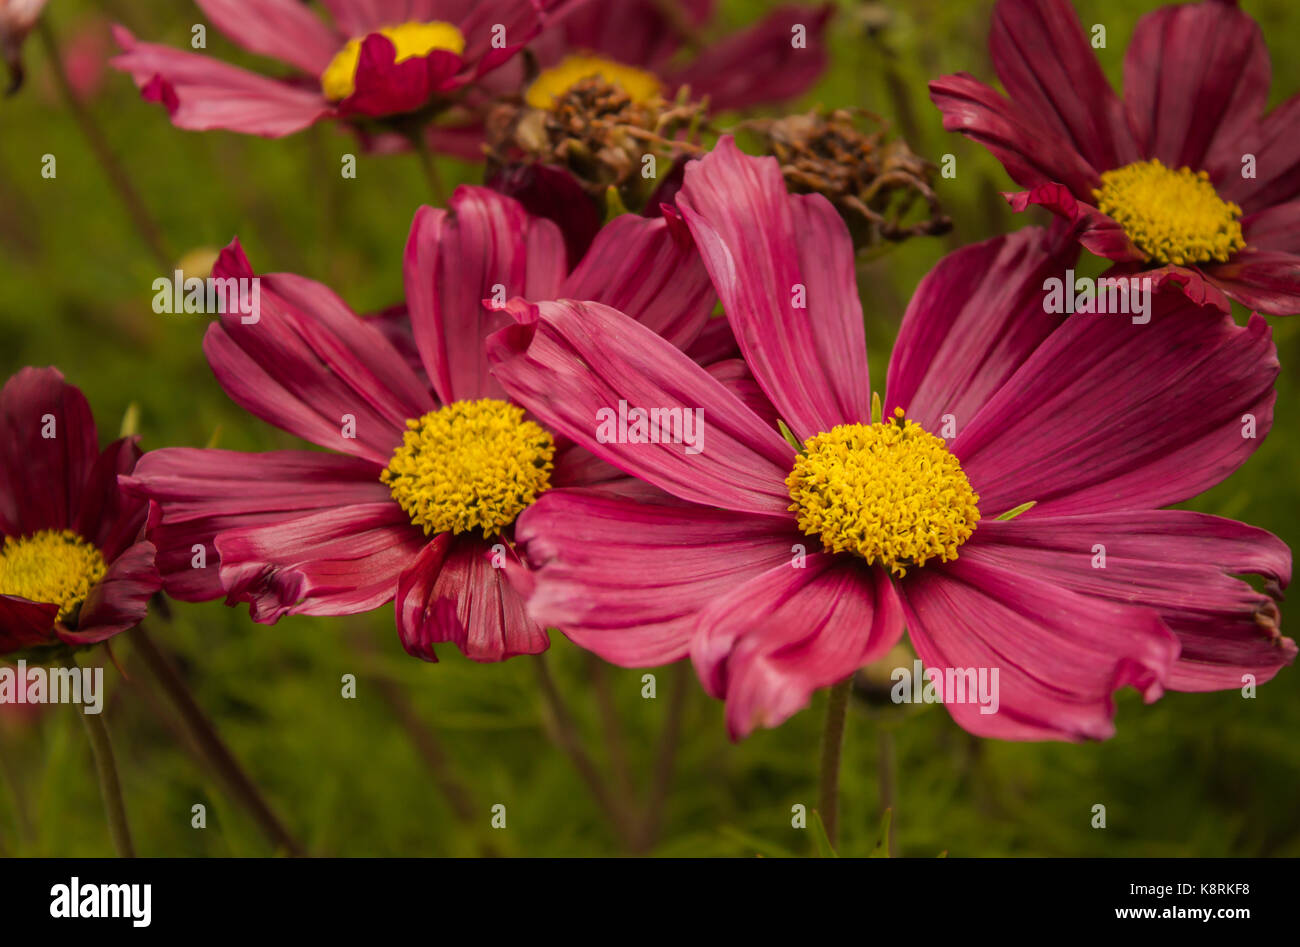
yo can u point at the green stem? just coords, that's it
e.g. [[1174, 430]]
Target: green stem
[[110, 787], [429, 165], [832, 744], [210, 744], [144, 223], [886, 770], [565, 733]]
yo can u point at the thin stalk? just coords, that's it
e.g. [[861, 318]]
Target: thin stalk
[[666, 756], [886, 772], [210, 744], [565, 733], [832, 745], [110, 787], [143, 221], [429, 165], [615, 745]]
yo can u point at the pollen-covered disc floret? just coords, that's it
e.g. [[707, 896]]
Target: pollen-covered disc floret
[[890, 492], [338, 81], [57, 567], [551, 84], [1171, 216], [470, 465]]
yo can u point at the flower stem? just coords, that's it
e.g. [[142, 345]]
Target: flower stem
[[210, 744], [143, 221], [565, 733], [666, 756], [832, 744], [886, 770], [110, 787], [429, 165]]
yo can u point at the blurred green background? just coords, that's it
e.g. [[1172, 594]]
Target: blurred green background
[[1207, 774]]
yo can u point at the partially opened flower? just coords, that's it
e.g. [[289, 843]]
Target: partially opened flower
[[17, 19], [430, 463], [1186, 176], [638, 45], [74, 569], [379, 58], [781, 570]]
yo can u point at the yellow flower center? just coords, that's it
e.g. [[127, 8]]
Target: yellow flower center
[[56, 567], [338, 81], [551, 84], [1172, 216], [470, 465], [890, 492]]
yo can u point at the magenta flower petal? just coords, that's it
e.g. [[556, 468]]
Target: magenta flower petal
[[1093, 229], [766, 645], [1048, 67], [1059, 655], [48, 447], [106, 515], [120, 600], [649, 270], [485, 247], [202, 93], [384, 86], [309, 364], [625, 579], [715, 342], [455, 594], [1195, 76], [1182, 564], [197, 493], [282, 29], [1269, 282], [25, 624], [338, 561], [1031, 154], [637, 32], [760, 64], [1274, 144], [570, 363], [1275, 229], [1156, 413], [972, 322], [783, 265]]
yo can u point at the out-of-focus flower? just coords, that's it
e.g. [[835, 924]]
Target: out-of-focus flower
[[781, 569], [379, 59], [433, 462], [17, 19], [74, 569], [656, 47], [874, 181], [1186, 177]]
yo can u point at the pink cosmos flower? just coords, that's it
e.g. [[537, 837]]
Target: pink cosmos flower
[[638, 44], [74, 569], [1186, 176], [378, 58], [781, 571], [429, 462], [17, 19]]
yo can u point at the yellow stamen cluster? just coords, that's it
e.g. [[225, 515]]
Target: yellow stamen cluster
[[890, 492], [338, 81], [470, 465], [1172, 216], [57, 567], [551, 84]]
